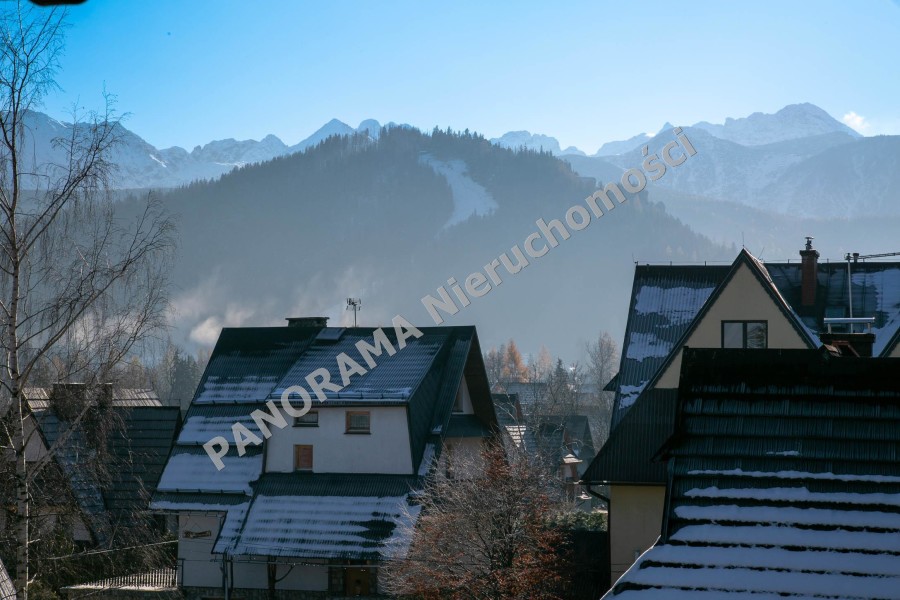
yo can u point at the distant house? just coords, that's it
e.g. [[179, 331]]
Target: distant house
[[749, 304], [109, 488], [563, 443], [326, 499], [784, 480]]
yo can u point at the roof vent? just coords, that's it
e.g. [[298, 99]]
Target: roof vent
[[307, 321]]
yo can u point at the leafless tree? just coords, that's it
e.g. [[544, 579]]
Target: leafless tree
[[483, 534], [79, 285], [603, 363]]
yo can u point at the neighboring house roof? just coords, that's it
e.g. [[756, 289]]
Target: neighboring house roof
[[666, 299], [784, 480], [668, 302], [530, 393], [39, 397], [138, 443], [250, 366], [627, 456]]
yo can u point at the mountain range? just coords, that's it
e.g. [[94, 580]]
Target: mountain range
[[268, 230]]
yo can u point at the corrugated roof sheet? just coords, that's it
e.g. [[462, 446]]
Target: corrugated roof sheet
[[664, 302], [325, 516], [785, 480], [396, 377], [189, 469], [627, 456], [666, 299]]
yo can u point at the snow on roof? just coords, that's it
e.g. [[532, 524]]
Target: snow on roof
[[664, 302], [193, 471], [742, 519], [203, 423], [320, 526], [234, 389], [679, 304], [395, 378]]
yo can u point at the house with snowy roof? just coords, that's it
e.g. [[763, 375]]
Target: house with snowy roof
[[783, 480], [103, 475], [749, 304], [327, 498]]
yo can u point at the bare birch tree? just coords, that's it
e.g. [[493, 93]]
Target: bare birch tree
[[79, 286]]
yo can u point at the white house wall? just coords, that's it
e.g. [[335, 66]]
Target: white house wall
[[198, 566], [385, 450]]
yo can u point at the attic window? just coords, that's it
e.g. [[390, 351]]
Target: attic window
[[310, 419], [745, 334], [358, 421]]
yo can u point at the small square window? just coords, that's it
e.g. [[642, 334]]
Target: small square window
[[310, 419], [358, 421], [303, 457], [745, 334]]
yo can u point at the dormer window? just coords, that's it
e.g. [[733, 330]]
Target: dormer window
[[745, 334], [310, 419], [357, 421]]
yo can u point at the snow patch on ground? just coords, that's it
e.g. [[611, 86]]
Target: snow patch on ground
[[469, 198]]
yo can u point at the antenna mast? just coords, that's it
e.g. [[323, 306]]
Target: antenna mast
[[354, 304]]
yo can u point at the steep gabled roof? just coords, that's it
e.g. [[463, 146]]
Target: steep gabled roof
[[744, 258], [664, 302], [876, 291], [250, 366], [666, 299], [784, 480]]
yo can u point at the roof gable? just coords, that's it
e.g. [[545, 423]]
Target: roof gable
[[736, 299]]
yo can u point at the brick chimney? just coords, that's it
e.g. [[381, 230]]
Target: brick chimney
[[809, 271], [307, 321]]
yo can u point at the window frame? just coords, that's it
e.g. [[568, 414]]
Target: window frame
[[744, 338], [357, 431], [299, 423], [297, 467]]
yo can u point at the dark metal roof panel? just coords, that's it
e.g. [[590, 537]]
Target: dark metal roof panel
[[627, 455], [466, 426], [664, 302]]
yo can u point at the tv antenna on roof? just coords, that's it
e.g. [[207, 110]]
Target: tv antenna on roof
[[354, 304]]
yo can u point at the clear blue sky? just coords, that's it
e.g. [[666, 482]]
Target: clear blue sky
[[585, 72]]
